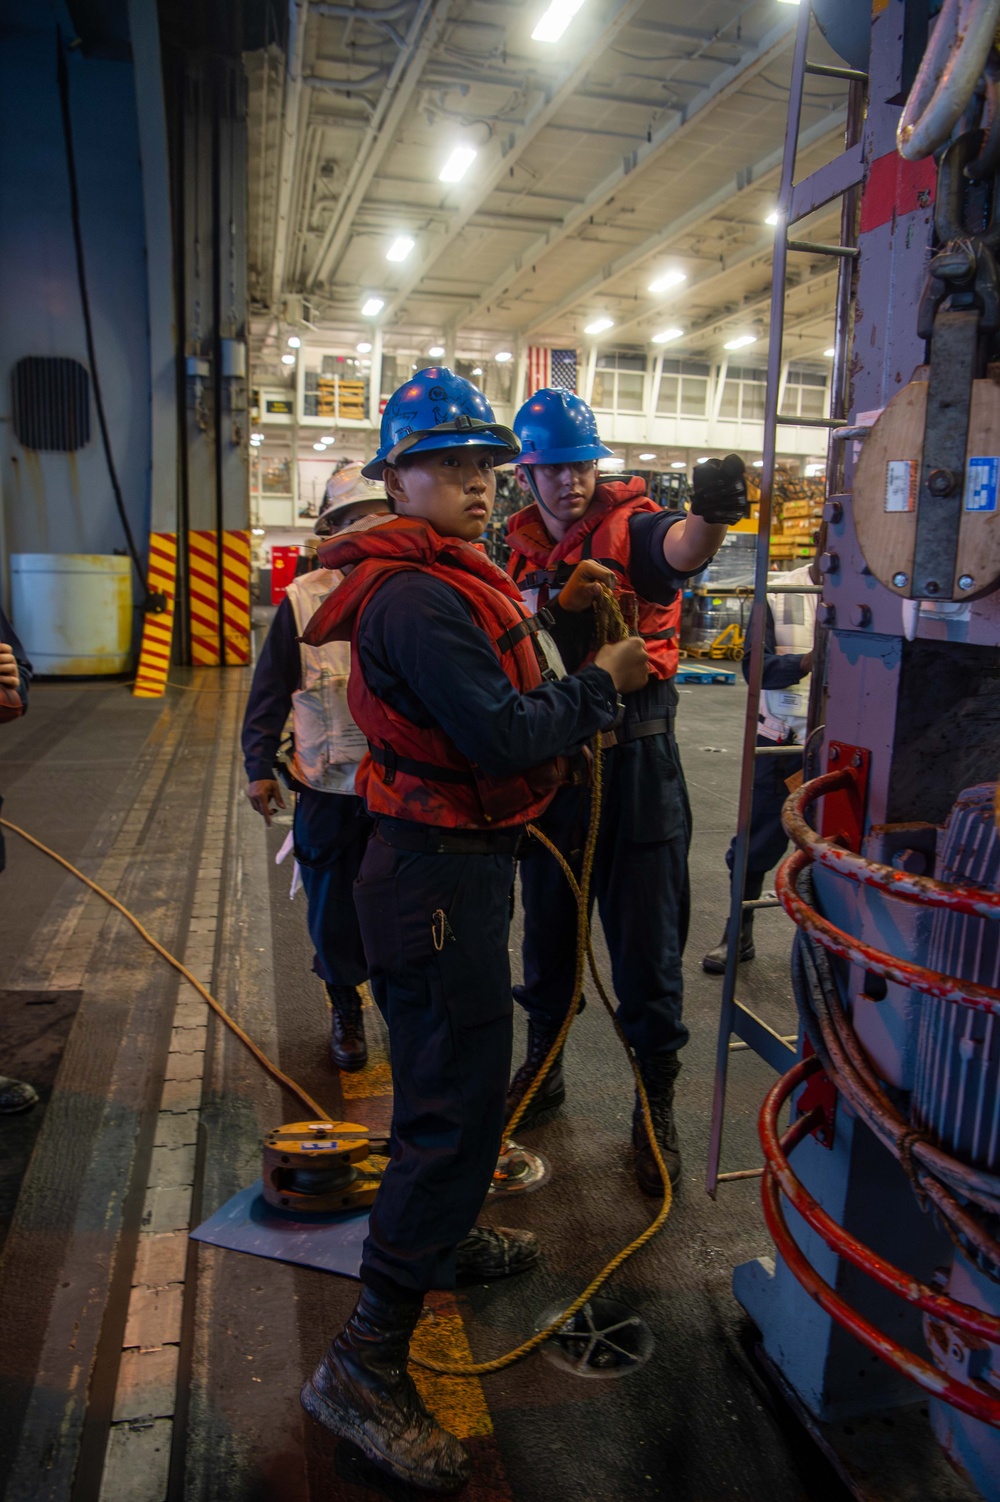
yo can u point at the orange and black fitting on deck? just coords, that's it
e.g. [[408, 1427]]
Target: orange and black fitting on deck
[[158, 626]]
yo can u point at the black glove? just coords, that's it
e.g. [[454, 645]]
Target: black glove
[[720, 491]]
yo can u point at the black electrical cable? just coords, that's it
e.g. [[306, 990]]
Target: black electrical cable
[[152, 601]]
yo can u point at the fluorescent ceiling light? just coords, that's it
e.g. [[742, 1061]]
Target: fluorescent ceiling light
[[477, 370], [611, 461], [647, 456], [288, 359], [320, 447], [328, 438], [457, 164], [599, 325], [256, 437], [758, 464], [436, 351], [829, 353], [400, 248], [774, 216], [257, 531], [502, 356], [364, 347], [678, 464], [704, 459], [295, 342], [788, 2], [666, 335], [741, 341], [812, 470], [555, 20], [668, 280], [372, 307]]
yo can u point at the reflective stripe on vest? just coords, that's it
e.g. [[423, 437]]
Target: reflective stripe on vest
[[327, 741], [784, 711]]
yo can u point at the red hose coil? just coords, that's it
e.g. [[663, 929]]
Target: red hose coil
[[779, 1177]]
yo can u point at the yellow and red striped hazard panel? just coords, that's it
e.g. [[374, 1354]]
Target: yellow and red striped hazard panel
[[236, 596], [203, 587], [158, 630]]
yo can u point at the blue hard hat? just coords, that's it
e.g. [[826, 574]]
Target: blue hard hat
[[437, 409], [557, 427]]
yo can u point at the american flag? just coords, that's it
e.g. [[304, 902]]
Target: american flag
[[550, 367]]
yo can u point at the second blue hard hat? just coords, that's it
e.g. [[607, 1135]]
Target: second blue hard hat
[[437, 409], [557, 427]]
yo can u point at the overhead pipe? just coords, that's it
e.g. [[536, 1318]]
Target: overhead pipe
[[373, 13], [392, 104], [375, 79], [298, 15]]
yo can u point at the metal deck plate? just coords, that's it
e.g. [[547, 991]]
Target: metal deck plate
[[246, 1223]]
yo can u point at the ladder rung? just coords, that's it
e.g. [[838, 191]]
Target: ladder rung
[[756, 904], [824, 70], [846, 252], [738, 1046], [739, 1173], [793, 750], [771, 1046], [777, 589], [810, 422], [845, 171]]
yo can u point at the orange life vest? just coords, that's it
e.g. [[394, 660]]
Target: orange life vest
[[602, 533], [411, 771]]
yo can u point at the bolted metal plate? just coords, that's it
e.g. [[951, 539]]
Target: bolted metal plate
[[605, 1339], [519, 1170]]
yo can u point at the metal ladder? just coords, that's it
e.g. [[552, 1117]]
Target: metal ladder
[[840, 178]]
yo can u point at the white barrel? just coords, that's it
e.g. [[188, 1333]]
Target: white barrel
[[73, 611]]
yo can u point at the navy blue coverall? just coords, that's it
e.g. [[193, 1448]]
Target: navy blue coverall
[[9, 636], [443, 983], [640, 875], [768, 840], [330, 830]]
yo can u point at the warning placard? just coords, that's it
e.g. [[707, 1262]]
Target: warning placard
[[982, 480], [900, 485]]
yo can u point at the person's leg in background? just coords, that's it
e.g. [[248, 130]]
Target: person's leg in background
[[768, 842], [331, 831], [549, 946], [643, 896]]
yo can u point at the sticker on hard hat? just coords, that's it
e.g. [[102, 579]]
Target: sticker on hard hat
[[982, 481], [901, 485]]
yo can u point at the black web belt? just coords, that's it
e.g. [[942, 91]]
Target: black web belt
[[637, 731], [429, 839], [530, 626]]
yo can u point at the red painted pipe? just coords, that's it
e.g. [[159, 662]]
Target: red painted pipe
[[776, 1148], [904, 972], [978, 902], [974, 1401]]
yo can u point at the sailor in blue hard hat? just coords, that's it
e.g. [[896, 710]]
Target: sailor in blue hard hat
[[436, 410], [467, 742], [640, 875]]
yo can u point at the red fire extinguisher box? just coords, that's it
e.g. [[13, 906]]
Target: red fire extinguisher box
[[283, 564]]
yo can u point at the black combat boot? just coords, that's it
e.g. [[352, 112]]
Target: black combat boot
[[362, 1392], [715, 960], [348, 1048], [552, 1091], [658, 1076], [492, 1252], [16, 1095]]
